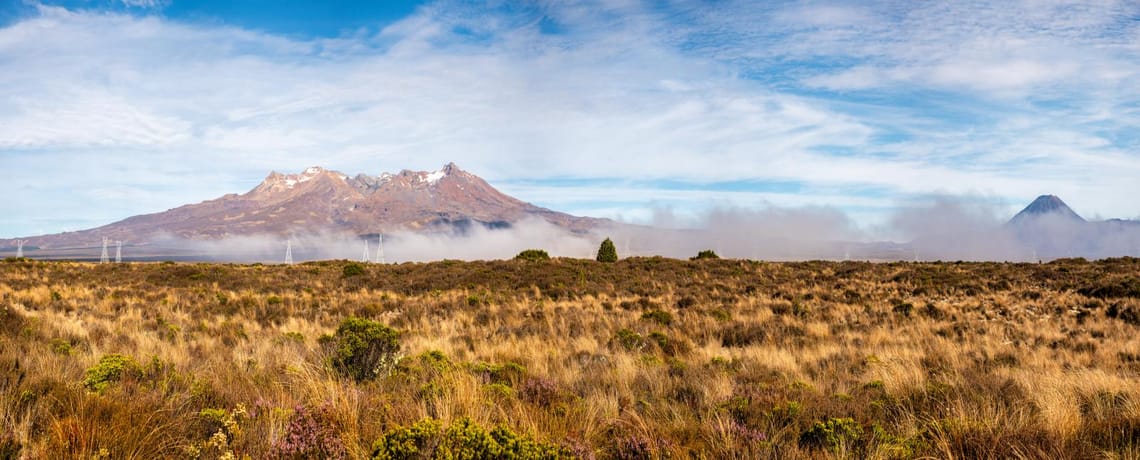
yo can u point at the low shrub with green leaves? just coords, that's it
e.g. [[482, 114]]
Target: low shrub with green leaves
[[834, 434], [658, 316], [533, 255], [352, 269], [462, 440], [363, 349], [111, 368]]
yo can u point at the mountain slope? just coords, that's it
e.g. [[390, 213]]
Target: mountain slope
[[1046, 205], [323, 201]]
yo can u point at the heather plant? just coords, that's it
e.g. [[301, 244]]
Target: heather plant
[[540, 391], [310, 434], [364, 349]]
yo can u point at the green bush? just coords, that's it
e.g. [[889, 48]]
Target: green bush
[[607, 252], [834, 434], [705, 254], [658, 316], [363, 349], [509, 373], [533, 255], [630, 340], [60, 346], [462, 440], [110, 369], [352, 269]]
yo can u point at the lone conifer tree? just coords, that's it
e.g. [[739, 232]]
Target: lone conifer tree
[[607, 252]]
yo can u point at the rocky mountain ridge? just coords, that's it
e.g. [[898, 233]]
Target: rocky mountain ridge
[[318, 200]]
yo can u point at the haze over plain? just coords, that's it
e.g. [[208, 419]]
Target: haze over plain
[[856, 112]]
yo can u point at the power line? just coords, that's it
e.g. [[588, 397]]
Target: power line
[[380, 248], [103, 257], [366, 257], [118, 251], [289, 252], [20, 248]]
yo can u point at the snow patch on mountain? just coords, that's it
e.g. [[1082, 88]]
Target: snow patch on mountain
[[434, 177]]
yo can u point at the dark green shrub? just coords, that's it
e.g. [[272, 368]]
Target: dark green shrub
[[533, 255], [629, 340], [607, 252], [363, 349], [705, 254], [903, 308], [508, 373], [352, 269], [60, 346], [834, 434], [661, 317], [110, 369], [463, 439], [686, 302]]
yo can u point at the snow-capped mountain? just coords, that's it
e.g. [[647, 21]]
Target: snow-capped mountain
[[318, 200]]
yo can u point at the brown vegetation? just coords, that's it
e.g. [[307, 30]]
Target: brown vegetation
[[644, 358]]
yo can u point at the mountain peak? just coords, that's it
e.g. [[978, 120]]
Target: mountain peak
[[276, 182], [318, 200], [1047, 205]]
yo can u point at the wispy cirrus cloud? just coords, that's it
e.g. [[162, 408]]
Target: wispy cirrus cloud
[[1010, 99]]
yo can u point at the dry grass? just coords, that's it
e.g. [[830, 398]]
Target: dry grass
[[645, 358]]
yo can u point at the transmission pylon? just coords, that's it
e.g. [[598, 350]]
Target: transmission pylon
[[103, 257], [367, 257], [289, 252], [380, 249], [20, 248], [118, 251]]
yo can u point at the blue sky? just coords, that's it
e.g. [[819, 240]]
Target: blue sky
[[111, 108]]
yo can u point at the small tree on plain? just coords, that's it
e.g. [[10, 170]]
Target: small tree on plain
[[607, 252], [705, 254]]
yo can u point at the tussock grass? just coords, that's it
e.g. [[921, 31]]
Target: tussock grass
[[643, 358]]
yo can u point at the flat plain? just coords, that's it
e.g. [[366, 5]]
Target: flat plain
[[642, 358]]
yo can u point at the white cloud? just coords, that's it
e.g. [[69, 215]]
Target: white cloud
[[1009, 99], [150, 4]]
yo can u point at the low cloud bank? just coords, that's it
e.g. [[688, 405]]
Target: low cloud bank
[[944, 228]]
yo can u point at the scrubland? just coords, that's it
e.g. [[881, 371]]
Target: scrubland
[[642, 358]]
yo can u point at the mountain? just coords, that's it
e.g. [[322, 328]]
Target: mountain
[[1050, 229], [318, 200], [1046, 205]]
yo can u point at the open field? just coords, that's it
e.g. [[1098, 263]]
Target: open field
[[643, 358]]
